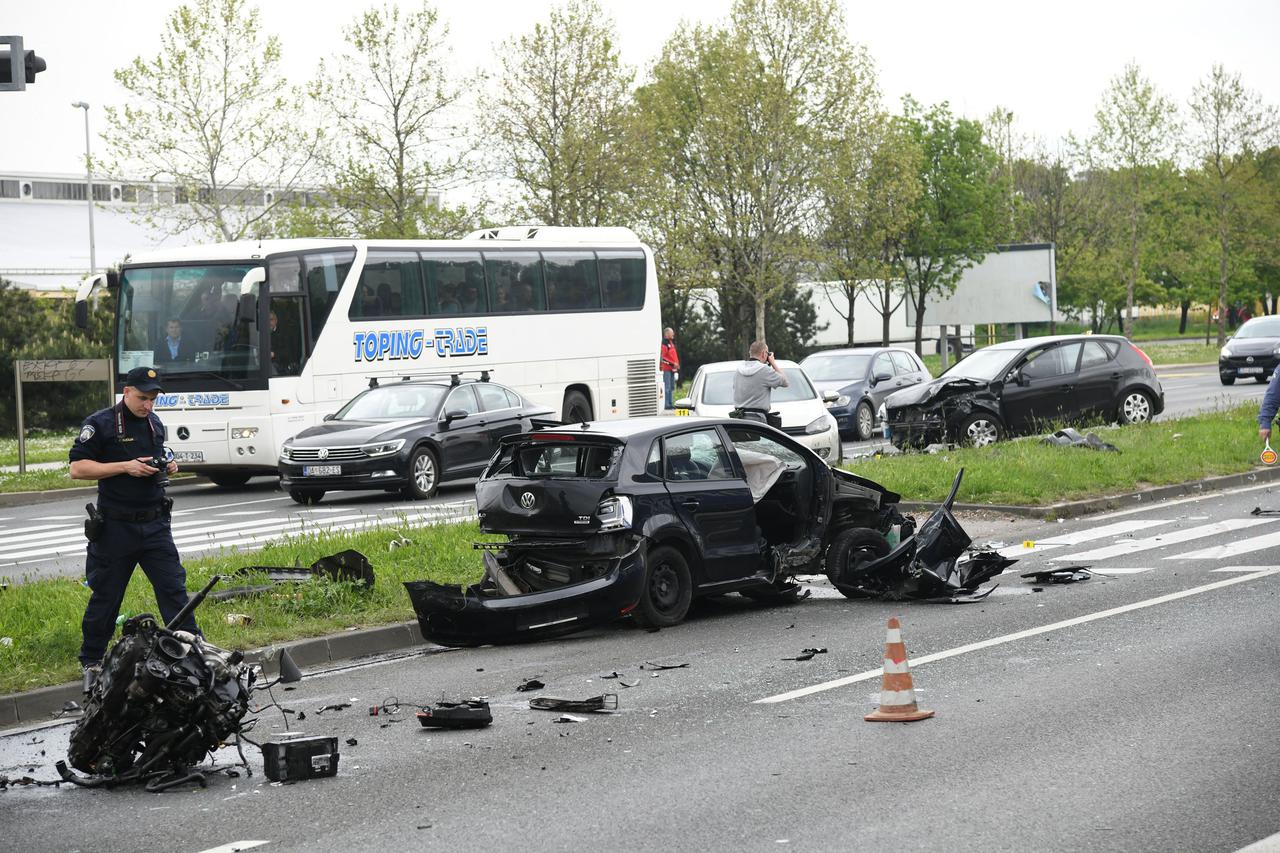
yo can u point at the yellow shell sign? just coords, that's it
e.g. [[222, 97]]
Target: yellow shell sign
[[1269, 457]]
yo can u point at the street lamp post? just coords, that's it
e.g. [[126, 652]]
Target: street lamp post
[[88, 177]]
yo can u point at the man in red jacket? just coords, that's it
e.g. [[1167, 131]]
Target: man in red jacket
[[670, 364]]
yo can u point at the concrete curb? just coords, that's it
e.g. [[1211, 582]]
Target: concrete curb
[[1074, 509], [28, 498], [42, 705]]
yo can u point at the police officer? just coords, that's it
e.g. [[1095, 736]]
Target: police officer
[[116, 447]]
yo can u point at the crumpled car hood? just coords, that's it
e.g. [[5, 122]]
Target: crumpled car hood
[[927, 392]]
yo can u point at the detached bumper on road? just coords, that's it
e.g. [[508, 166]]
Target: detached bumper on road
[[481, 614]]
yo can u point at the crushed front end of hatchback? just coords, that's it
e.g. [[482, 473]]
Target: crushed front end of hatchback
[[931, 412]]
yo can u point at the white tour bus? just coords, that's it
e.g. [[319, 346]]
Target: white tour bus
[[275, 334]]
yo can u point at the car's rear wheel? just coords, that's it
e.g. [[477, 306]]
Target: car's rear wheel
[[980, 430], [1227, 380], [576, 409], [306, 497], [864, 421], [851, 549], [229, 480], [424, 474], [668, 589], [1135, 408]]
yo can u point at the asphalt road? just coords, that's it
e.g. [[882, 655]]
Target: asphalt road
[[1130, 712], [46, 539]]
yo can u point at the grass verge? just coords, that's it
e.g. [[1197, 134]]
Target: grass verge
[[44, 481], [1026, 472], [42, 617], [41, 447]]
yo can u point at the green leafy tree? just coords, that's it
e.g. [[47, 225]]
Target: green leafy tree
[[212, 113], [398, 116], [556, 118], [958, 214], [1136, 129], [1230, 124], [735, 117]]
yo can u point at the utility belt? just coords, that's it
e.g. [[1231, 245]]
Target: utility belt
[[773, 419], [98, 516]]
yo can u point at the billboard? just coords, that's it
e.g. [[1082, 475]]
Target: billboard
[[1014, 284]]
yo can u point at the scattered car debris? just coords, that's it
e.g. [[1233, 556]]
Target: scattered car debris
[[530, 684], [237, 619], [808, 654], [339, 706], [348, 566], [650, 665], [569, 718], [300, 758], [1257, 510], [614, 674], [471, 713], [351, 741], [605, 702], [1069, 437], [401, 541], [1060, 574], [926, 564], [629, 683]]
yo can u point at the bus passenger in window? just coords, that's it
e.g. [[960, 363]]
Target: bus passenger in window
[[369, 306], [448, 303], [384, 297], [470, 298]]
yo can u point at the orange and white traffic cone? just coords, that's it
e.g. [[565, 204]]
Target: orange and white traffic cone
[[897, 693]]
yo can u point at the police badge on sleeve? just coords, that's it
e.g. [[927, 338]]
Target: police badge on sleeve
[[86, 433]]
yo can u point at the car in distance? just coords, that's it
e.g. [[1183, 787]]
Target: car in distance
[[861, 378], [1252, 352], [1024, 386], [640, 516], [801, 406], [405, 436]]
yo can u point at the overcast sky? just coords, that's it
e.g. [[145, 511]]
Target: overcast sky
[[1047, 62]]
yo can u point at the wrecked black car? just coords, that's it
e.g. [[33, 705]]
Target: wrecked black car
[[1018, 387], [641, 516]]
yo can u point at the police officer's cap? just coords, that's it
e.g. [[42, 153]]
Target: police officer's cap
[[144, 379]]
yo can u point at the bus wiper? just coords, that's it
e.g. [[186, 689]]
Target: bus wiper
[[212, 374]]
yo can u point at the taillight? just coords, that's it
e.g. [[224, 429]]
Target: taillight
[[1145, 357]]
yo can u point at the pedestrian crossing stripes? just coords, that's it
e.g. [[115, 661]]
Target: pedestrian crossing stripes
[[216, 530], [1165, 538]]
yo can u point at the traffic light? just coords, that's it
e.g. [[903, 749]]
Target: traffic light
[[18, 67]]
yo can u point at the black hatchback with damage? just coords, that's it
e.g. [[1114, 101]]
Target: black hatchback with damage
[[638, 517]]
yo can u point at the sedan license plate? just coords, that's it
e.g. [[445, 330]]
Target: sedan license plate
[[1249, 370], [321, 470], [188, 456]]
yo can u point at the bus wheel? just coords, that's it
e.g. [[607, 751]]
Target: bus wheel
[[306, 497], [229, 480], [577, 409]]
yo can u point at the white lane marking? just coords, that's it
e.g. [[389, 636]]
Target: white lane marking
[[1019, 635], [244, 512], [1170, 537], [212, 507], [59, 517], [1270, 844], [1110, 571], [1234, 549], [266, 535], [235, 846], [1244, 569], [1089, 534], [56, 531]]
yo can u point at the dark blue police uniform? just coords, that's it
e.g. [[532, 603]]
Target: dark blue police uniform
[[136, 528]]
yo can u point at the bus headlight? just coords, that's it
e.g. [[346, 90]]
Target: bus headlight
[[614, 513], [385, 448], [818, 425], [243, 432]]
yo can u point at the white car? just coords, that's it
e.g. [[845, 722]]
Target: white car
[[802, 407]]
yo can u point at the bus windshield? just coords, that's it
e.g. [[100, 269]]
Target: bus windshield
[[189, 319]]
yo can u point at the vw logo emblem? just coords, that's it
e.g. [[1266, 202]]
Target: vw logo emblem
[[324, 453], [526, 500], [1249, 359], [184, 433]]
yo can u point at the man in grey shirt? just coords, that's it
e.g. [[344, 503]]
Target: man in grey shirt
[[754, 380]]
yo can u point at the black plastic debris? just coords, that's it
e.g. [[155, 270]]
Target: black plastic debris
[[471, 713], [649, 665], [340, 706], [351, 741], [614, 674], [605, 702], [1070, 438], [1257, 510], [1059, 574], [349, 566], [926, 565], [808, 654], [300, 758], [530, 684]]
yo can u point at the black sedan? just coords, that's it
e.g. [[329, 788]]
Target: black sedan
[[1026, 386], [638, 517], [862, 377], [1252, 352], [405, 437]]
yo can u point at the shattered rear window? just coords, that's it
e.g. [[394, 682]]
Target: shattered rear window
[[546, 459]]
